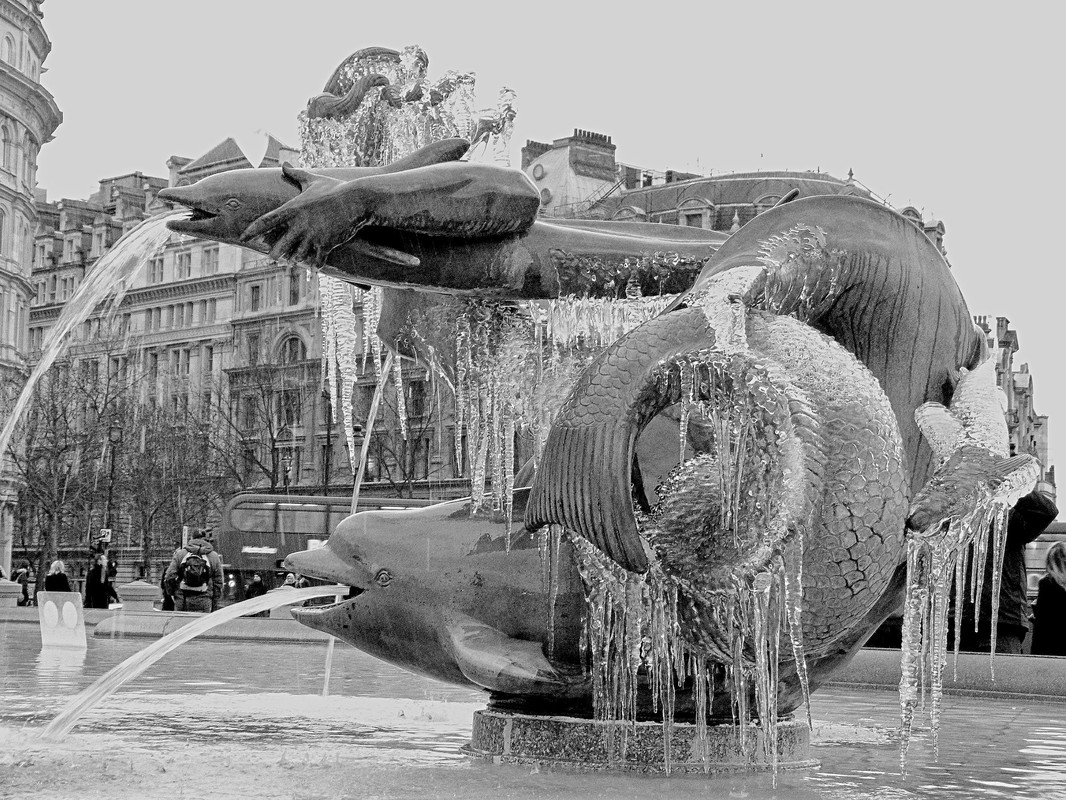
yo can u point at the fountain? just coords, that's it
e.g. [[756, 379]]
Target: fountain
[[795, 379], [805, 366]]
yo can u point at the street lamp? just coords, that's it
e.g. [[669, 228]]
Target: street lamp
[[114, 438]]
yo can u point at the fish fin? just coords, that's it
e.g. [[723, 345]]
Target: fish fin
[[501, 663], [1018, 476], [385, 253], [941, 429]]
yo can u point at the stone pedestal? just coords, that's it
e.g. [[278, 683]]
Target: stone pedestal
[[10, 592], [139, 596], [588, 745]]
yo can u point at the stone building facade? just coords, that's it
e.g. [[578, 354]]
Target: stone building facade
[[1028, 430], [28, 118]]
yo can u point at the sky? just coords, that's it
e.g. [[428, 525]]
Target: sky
[[953, 108]]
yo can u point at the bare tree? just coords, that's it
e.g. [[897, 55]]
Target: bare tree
[[405, 435], [60, 452]]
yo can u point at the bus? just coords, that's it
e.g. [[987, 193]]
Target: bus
[[259, 530]]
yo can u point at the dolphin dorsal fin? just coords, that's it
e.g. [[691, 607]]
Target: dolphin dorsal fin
[[501, 663]]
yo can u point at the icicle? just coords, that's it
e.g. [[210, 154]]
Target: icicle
[[686, 370], [401, 399], [508, 469], [367, 436], [462, 369]]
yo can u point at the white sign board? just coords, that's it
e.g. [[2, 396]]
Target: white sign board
[[62, 619]]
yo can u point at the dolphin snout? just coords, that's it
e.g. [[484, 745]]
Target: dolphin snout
[[323, 562], [176, 194]]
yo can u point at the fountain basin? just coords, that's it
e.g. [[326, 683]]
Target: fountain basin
[[593, 746], [252, 719]]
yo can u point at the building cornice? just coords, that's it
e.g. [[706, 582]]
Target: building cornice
[[169, 291]]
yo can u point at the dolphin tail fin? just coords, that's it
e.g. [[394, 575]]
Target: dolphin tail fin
[[501, 663]]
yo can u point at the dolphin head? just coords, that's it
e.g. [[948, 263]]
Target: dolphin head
[[223, 205], [438, 592]]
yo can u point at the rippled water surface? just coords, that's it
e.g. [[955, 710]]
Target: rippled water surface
[[248, 720]]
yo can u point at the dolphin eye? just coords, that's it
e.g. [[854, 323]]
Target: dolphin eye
[[383, 578], [233, 203]]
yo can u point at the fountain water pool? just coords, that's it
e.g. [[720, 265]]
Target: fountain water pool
[[234, 720]]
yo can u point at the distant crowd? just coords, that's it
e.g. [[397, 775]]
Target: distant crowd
[[194, 580]]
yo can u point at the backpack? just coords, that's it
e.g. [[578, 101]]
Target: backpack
[[194, 570]]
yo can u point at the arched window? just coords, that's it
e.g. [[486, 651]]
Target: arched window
[[7, 50], [292, 350]]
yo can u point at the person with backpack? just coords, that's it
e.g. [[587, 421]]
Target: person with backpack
[[195, 577]]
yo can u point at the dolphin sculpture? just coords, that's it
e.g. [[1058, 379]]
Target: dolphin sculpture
[[445, 595], [426, 221], [829, 320]]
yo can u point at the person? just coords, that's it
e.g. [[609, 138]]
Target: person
[[99, 590], [195, 577], [22, 577], [1027, 520], [290, 582], [56, 580], [168, 598], [1049, 625], [255, 588]]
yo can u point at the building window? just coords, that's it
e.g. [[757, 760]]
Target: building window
[[420, 459], [207, 359], [253, 349], [155, 270], [294, 287], [183, 266], [211, 307], [292, 351], [248, 411], [248, 463], [210, 261], [255, 296], [416, 398], [179, 315], [7, 50], [289, 408]]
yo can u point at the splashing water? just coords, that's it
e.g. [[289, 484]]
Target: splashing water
[[108, 280], [139, 662]]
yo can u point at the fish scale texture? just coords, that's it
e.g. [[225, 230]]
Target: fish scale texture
[[852, 454]]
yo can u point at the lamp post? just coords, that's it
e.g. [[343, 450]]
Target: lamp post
[[114, 438]]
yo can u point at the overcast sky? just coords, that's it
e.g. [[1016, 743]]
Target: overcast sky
[[954, 108]]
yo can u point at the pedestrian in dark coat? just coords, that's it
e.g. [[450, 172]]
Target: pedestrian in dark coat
[[56, 580], [99, 590], [1028, 519], [1049, 626]]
